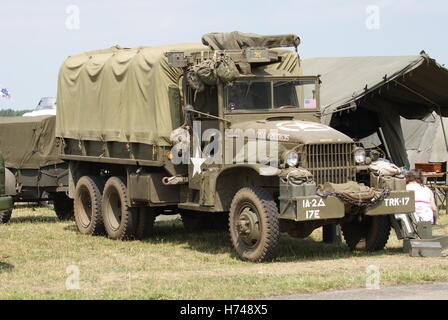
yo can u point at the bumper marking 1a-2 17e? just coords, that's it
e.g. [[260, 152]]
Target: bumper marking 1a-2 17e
[[311, 208], [317, 208]]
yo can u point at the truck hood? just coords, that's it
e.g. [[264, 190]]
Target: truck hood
[[296, 131]]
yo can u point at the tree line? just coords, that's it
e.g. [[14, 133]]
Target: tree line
[[13, 113]]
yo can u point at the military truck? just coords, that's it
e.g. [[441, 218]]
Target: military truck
[[33, 171], [5, 200], [171, 129]]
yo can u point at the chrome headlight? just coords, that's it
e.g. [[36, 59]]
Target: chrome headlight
[[360, 155], [292, 159]]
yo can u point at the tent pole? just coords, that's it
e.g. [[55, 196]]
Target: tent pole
[[433, 103], [380, 130]]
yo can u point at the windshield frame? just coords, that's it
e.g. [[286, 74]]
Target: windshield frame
[[314, 79]]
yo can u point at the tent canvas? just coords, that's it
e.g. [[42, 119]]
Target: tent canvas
[[424, 140]]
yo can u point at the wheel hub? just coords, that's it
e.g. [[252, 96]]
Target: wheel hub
[[248, 226]]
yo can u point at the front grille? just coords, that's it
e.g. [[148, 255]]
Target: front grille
[[330, 162]]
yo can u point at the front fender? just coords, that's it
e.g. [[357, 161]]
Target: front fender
[[261, 169]]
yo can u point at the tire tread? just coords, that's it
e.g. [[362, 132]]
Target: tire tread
[[267, 253]]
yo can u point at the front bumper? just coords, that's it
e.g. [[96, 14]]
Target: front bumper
[[5, 203], [313, 207]]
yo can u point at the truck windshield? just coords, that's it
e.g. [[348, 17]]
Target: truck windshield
[[265, 95]]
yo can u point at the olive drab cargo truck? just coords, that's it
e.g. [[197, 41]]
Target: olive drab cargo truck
[[226, 133], [33, 170]]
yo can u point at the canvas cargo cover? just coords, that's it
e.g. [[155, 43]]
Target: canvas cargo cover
[[119, 94], [28, 142], [126, 95], [239, 40]]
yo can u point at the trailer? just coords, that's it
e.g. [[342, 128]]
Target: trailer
[[33, 170]]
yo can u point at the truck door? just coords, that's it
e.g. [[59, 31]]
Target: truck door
[[205, 102]]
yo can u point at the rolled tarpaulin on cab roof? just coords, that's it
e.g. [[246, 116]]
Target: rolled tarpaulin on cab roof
[[238, 40]]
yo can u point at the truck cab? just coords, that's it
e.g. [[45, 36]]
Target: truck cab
[[313, 175]]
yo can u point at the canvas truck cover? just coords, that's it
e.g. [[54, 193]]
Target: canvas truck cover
[[125, 95], [28, 142], [118, 94]]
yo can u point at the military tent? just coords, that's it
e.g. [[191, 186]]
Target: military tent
[[425, 139], [361, 96]]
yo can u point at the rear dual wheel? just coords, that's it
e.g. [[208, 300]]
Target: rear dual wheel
[[103, 208], [120, 220], [87, 205]]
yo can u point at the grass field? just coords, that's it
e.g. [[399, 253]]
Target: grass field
[[36, 251]]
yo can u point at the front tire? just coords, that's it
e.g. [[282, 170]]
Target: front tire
[[87, 205], [372, 232], [254, 225], [120, 220]]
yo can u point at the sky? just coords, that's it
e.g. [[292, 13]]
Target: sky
[[38, 35]]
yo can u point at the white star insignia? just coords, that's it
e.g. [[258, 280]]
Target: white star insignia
[[197, 163]]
